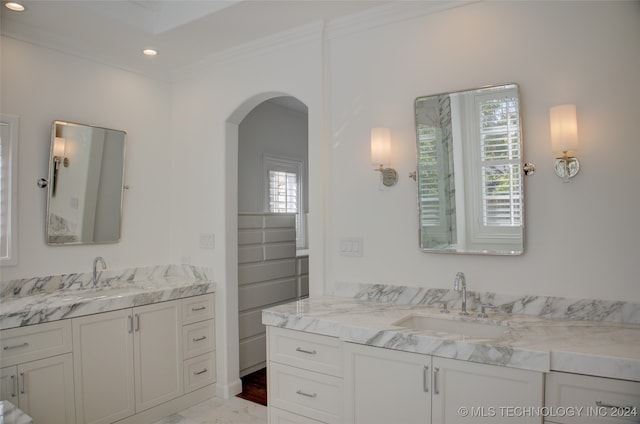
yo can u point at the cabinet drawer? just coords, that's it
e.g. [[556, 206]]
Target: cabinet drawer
[[198, 308], [309, 351], [604, 400], [35, 342], [198, 338], [199, 371], [279, 416], [310, 394]]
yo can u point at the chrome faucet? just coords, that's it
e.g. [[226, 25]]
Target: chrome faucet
[[460, 284], [96, 261]]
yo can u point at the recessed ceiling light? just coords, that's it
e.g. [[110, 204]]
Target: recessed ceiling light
[[149, 52], [12, 5]]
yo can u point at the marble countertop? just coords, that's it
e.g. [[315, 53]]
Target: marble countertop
[[10, 414], [607, 349], [35, 301]]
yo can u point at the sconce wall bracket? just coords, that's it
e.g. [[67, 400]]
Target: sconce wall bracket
[[567, 167], [389, 176]]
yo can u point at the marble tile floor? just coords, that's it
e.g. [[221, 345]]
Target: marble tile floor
[[219, 411]]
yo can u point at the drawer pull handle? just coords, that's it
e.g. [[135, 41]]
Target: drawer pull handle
[[202, 308], [436, 388], [25, 344], [607, 405], [308, 352], [200, 372], [301, 393], [199, 339]]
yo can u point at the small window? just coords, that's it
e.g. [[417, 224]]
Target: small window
[[8, 189], [284, 193]]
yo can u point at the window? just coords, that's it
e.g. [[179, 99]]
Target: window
[[8, 189], [284, 191]]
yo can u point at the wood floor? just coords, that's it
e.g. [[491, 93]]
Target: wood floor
[[254, 387]]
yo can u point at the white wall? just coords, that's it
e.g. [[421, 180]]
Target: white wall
[[582, 238], [208, 106], [41, 85]]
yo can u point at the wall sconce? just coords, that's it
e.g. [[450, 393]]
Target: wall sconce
[[59, 150], [380, 153], [564, 139]]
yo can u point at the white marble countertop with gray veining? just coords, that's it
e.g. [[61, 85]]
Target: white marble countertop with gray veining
[[38, 300], [10, 414], [607, 349]]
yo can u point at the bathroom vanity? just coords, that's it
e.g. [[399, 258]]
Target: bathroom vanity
[[336, 359], [137, 348]]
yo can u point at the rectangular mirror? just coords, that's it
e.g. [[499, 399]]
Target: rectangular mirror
[[86, 173], [470, 195]]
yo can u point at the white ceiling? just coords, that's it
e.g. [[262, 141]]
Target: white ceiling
[[183, 31]]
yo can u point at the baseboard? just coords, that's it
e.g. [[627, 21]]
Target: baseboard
[[230, 390], [171, 407]]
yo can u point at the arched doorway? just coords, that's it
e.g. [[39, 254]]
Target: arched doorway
[[269, 117]]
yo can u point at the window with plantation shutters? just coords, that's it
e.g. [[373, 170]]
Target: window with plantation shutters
[[283, 191], [8, 189], [494, 160], [435, 189]]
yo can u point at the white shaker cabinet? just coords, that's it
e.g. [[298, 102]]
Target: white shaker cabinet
[[386, 386], [383, 385], [37, 371], [127, 361]]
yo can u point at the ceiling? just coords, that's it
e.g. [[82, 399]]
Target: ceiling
[[183, 31]]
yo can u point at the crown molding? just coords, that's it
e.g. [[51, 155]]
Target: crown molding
[[397, 11]]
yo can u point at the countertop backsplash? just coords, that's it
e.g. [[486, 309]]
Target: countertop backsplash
[[106, 278], [541, 306]]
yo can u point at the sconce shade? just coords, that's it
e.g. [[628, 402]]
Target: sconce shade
[[380, 146], [564, 128], [59, 146]]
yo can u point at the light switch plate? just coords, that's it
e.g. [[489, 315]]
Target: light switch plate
[[351, 246]]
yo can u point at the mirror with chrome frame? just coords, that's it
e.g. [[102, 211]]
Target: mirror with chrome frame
[[470, 195], [85, 186]]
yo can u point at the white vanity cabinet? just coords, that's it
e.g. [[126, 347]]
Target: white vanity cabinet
[[37, 371], [127, 361], [578, 399], [304, 377], [383, 385]]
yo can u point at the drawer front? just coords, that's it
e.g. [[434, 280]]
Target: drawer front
[[199, 371], [604, 400], [279, 416], [198, 338], [310, 394], [309, 351], [198, 308], [35, 342]]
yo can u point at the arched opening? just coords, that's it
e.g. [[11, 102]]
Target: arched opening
[[267, 132]]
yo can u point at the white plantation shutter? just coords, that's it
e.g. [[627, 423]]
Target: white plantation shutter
[[500, 162], [283, 191]]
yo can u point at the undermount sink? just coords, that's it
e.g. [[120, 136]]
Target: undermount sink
[[466, 329], [104, 292]]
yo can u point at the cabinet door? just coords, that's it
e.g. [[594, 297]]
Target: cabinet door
[[386, 386], [9, 384], [486, 392], [46, 390], [158, 353], [103, 367]]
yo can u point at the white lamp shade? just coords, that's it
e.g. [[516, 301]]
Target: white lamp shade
[[59, 145], [380, 146], [564, 128]]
